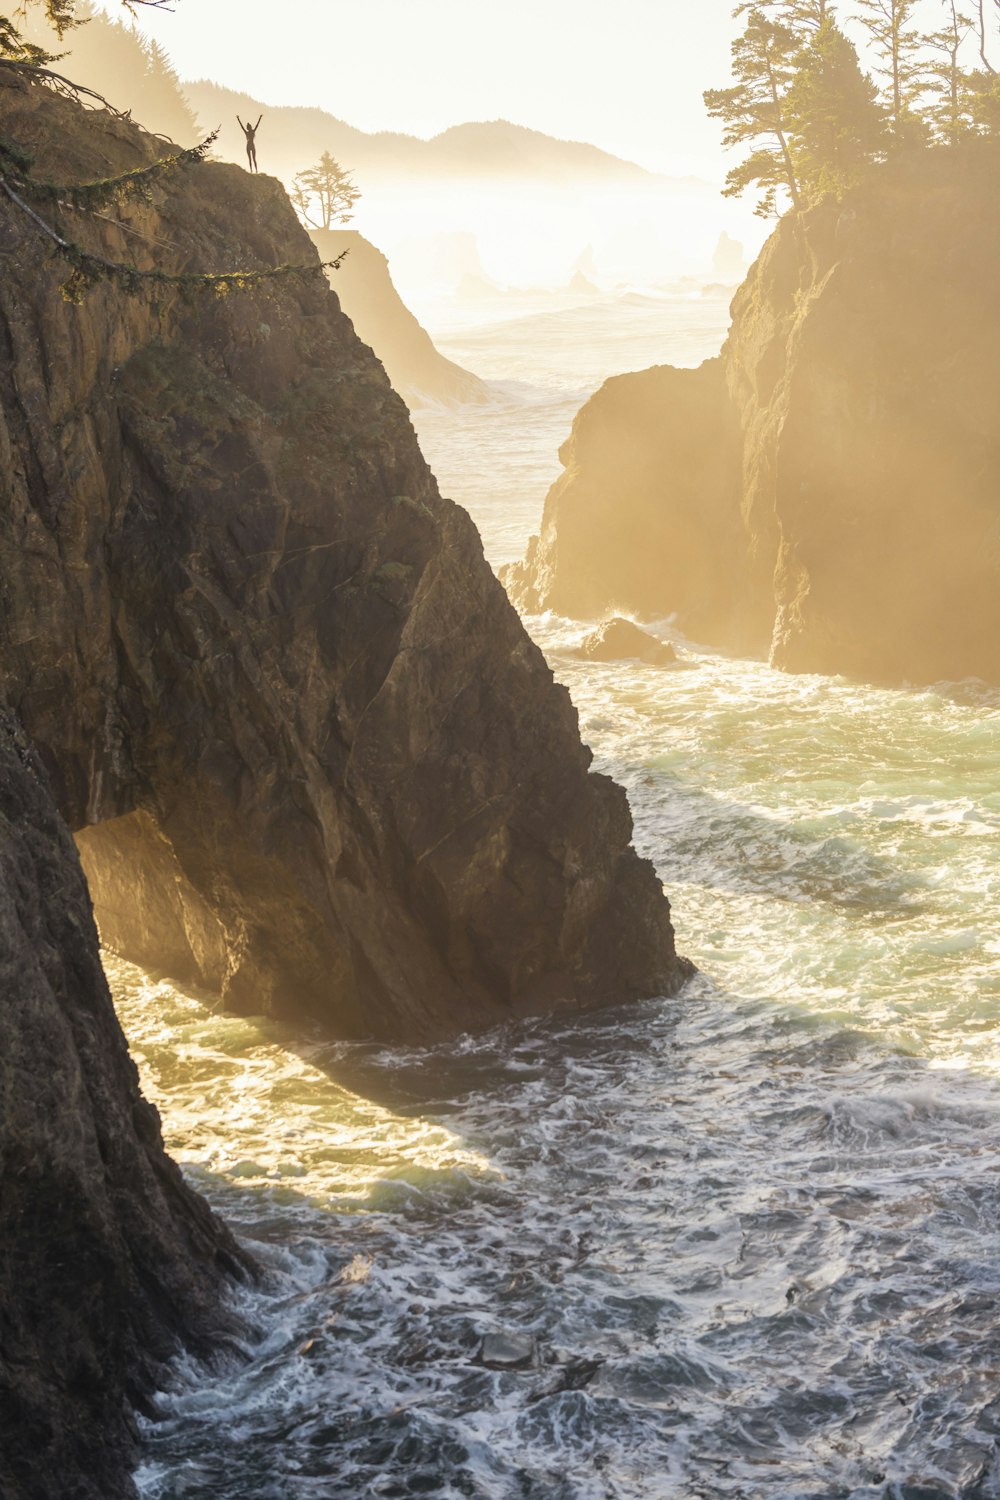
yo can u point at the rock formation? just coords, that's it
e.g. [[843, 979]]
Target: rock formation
[[622, 640], [827, 491], [314, 761], [417, 370], [109, 1263]]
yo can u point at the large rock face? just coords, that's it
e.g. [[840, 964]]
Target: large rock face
[[832, 484], [418, 371], [315, 762], [109, 1263]]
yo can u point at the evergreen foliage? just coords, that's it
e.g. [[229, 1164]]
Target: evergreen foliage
[[814, 121], [896, 44], [325, 194], [949, 86], [837, 127], [62, 16], [754, 111]]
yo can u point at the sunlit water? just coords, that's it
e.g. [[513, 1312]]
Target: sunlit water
[[750, 1234]]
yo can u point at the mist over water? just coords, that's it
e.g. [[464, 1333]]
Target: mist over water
[[749, 1234]]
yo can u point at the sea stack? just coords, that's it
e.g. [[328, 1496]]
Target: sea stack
[[826, 493]]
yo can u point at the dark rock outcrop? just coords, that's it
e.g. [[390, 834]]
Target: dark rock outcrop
[[622, 640], [417, 370], [829, 489], [315, 762], [109, 1263]]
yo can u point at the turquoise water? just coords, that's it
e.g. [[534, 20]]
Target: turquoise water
[[748, 1235]]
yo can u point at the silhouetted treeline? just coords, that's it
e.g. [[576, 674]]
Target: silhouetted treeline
[[117, 61], [814, 120]]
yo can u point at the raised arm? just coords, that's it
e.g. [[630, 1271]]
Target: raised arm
[[259, 118], [240, 123]]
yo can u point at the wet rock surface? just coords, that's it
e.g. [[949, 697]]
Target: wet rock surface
[[110, 1264], [826, 492], [622, 640], [315, 762]]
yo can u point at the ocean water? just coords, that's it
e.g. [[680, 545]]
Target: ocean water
[[747, 1240]]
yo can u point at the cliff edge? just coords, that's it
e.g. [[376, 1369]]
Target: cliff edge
[[417, 370], [312, 758], [826, 492]]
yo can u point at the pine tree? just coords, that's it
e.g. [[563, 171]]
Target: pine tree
[[753, 111], [836, 126], [325, 194], [948, 82], [897, 46], [165, 108]]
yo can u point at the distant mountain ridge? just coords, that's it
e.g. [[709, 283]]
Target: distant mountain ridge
[[294, 135]]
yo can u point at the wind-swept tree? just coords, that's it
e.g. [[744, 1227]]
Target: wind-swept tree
[[325, 194], [754, 112], [896, 43], [836, 126]]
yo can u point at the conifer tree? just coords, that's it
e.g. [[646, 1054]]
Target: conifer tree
[[325, 194], [837, 127], [889, 24], [804, 17], [62, 16], [754, 111], [948, 81]]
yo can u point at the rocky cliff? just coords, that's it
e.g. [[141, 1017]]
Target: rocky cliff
[[417, 370], [109, 1263], [313, 759], [827, 491]]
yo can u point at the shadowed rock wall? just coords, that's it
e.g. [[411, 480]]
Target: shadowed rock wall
[[257, 650], [109, 1263]]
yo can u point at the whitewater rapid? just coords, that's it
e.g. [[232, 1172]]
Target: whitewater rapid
[[748, 1237]]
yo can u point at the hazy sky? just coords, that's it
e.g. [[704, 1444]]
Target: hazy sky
[[625, 74]]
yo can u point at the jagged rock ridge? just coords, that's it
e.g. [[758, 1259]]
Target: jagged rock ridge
[[315, 762], [827, 491]]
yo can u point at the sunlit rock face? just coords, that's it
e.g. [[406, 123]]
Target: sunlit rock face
[[110, 1262], [833, 484], [418, 371], [316, 763]]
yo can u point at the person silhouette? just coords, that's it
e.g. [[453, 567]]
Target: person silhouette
[[250, 131]]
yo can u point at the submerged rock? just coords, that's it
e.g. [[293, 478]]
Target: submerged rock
[[622, 640], [314, 761], [508, 1351], [110, 1264], [827, 491]]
